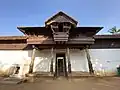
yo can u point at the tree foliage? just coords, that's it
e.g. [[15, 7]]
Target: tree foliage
[[114, 30]]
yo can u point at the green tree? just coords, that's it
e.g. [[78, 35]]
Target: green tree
[[114, 30]]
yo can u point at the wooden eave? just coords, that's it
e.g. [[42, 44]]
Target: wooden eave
[[12, 46], [13, 37], [50, 41], [73, 43], [46, 31], [35, 30], [115, 36], [88, 31]]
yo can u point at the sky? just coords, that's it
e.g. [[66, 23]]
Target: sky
[[13, 13]]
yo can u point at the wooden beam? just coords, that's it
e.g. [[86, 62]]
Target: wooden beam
[[69, 63], [32, 60], [89, 60], [51, 66]]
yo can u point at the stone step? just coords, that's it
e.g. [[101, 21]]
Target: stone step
[[44, 76], [72, 75], [41, 75], [80, 75], [11, 80]]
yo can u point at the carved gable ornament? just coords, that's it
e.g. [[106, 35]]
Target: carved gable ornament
[[61, 17], [60, 25]]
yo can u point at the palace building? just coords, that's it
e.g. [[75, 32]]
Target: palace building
[[61, 48]]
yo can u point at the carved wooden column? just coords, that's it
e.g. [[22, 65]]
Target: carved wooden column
[[69, 63], [32, 59], [89, 60], [51, 65]]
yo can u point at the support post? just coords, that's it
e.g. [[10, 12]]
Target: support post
[[51, 66], [69, 64], [89, 60], [32, 60]]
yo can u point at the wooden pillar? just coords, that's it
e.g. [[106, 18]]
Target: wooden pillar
[[32, 60], [89, 60], [52, 57], [56, 68], [69, 63]]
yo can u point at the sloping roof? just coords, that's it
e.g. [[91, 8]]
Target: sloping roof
[[38, 30], [21, 46], [46, 31], [12, 46], [13, 37], [61, 13], [87, 30], [117, 36], [26, 37]]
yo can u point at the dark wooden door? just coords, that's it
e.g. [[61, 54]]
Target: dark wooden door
[[60, 69]]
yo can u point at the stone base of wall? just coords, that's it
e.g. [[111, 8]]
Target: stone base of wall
[[109, 73], [74, 74], [79, 74]]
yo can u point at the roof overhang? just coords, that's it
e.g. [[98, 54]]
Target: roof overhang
[[116, 36], [89, 31], [13, 37], [35, 30]]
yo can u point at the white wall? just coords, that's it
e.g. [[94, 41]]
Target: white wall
[[102, 59], [105, 60], [23, 58], [11, 57], [42, 60], [78, 60]]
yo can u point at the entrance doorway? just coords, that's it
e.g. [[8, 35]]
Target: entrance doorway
[[60, 66]]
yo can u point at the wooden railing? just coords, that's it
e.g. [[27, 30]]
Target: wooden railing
[[60, 36]]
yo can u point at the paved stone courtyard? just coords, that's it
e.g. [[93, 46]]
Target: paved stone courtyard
[[106, 83]]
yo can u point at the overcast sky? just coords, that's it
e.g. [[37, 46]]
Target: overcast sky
[[15, 13]]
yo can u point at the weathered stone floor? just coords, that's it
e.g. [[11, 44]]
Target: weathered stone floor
[[106, 83]]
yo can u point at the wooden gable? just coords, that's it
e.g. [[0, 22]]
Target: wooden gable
[[60, 28], [61, 17]]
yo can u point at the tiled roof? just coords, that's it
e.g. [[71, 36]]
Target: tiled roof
[[13, 37], [12, 46], [107, 36]]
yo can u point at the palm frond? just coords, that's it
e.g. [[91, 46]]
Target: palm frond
[[113, 30], [118, 30]]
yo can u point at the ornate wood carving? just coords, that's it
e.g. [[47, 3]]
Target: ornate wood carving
[[61, 17], [36, 39]]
